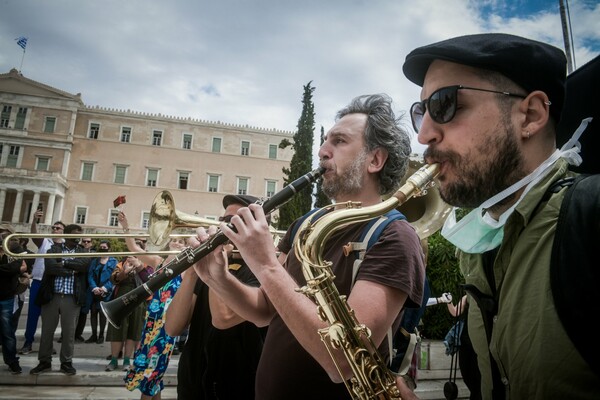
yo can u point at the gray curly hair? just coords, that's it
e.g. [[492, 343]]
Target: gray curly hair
[[383, 130]]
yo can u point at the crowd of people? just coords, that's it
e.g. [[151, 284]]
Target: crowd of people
[[488, 115]]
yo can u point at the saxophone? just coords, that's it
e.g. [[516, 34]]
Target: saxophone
[[371, 378]]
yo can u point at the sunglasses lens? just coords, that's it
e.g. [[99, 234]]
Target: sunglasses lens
[[442, 104], [416, 115]]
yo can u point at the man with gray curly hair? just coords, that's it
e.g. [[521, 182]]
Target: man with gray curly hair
[[365, 155]]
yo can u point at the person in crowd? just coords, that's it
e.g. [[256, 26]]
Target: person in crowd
[[10, 269], [99, 273], [126, 338], [467, 359], [152, 357], [143, 272], [22, 289], [37, 272], [365, 156], [220, 344], [88, 246], [488, 115], [61, 296]]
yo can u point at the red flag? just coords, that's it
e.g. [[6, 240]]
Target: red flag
[[118, 201]]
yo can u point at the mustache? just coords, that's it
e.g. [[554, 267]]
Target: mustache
[[435, 155]]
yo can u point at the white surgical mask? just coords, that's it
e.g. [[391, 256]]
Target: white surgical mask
[[478, 232]]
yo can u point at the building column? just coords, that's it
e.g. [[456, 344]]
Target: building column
[[18, 205], [2, 201], [48, 220], [34, 206], [60, 203]]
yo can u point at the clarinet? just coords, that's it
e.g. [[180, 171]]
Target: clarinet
[[116, 310]]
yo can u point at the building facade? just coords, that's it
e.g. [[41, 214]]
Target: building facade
[[73, 160]]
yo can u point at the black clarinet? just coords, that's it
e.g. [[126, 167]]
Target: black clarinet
[[116, 310]]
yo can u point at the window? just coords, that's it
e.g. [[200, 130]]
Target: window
[[13, 156], [5, 116], [125, 134], [21, 115], [152, 177], [120, 173], [271, 188], [113, 218], [242, 185], [273, 151], [94, 130], [156, 138], [187, 141], [245, 148], [42, 163], [183, 180], [87, 171], [213, 183], [49, 124], [145, 220], [216, 145], [80, 215]]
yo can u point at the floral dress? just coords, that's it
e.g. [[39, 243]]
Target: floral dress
[[151, 358]]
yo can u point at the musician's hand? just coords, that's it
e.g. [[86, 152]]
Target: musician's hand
[[406, 392], [253, 238], [213, 266], [445, 298]]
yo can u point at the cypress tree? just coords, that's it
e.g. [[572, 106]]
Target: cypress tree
[[301, 162]]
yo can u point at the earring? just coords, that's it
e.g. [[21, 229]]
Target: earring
[[528, 134]]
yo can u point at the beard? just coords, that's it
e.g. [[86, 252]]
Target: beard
[[491, 167], [346, 182]]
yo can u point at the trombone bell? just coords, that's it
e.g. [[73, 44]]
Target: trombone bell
[[164, 218]]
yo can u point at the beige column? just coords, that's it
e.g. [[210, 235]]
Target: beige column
[[34, 205], [17, 209], [49, 214], [2, 201]]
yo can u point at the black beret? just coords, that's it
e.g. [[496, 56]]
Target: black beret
[[242, 199], [530, 64]]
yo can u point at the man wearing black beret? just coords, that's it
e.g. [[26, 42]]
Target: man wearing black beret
[[489, 108], [221, 353]]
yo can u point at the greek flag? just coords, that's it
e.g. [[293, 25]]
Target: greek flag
[[22, 41]]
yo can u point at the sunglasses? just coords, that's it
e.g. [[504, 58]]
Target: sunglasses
[[442, 104], [57, 228], [226, 218], [86, 241]]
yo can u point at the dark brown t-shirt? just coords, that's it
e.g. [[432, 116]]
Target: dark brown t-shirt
[[286, 370]]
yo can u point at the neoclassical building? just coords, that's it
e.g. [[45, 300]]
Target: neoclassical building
[[73, 160]]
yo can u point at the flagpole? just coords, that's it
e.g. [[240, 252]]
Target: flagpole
[[22, 43], [22, 57]]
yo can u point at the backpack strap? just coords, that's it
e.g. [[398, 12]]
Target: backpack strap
[[574, 276], [369, 236]]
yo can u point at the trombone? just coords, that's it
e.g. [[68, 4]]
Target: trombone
[[26, 256], [164, 219]]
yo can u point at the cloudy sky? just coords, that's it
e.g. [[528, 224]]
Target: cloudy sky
[[246, 61]]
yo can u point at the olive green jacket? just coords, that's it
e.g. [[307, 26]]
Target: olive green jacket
[[535, 356]]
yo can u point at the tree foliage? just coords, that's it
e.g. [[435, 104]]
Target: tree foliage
[[444, 275], [301, 162]]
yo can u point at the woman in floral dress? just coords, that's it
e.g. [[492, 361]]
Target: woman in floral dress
[[151, 358]]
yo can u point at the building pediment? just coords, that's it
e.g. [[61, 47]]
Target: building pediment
[[14, 82]]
